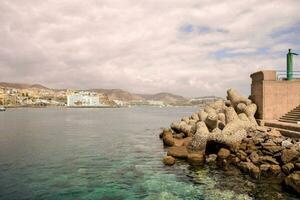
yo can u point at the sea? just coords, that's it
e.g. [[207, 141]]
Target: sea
[[108, 154]]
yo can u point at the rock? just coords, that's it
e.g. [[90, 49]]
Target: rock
[[250, 168], [203, 116], [185, 119], [185, 128], [218, 105], [243, 117], [211, 158], [250, 110], [223, 153], [275, 169], [186, 141], [297, 166], [175, 126], [287, 168], [286, 143], [254, 157], [168, 139], [196, 159], [272, 148], [293, 181], [195, 116], [289, 155], [222, 118], [268, 160], [179, 135], [241, 155], [199, 140], [274, 133], [230, 115], [235, 98], [235, 160], [262, 128], [240, 108], [257, 140], [264, 168], [212, 120], [178, 152], [169, 160]]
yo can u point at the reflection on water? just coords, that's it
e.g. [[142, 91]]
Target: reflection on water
[[105, 154]]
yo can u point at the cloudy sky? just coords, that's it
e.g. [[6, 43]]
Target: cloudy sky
[[187, 47]]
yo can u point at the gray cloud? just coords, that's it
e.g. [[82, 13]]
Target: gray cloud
[[186, 47]]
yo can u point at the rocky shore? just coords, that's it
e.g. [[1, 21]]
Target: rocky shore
[[227, 134]]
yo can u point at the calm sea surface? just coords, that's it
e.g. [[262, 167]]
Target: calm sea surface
[[106, 154]]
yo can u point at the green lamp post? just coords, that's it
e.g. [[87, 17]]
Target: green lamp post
[[289, 65]]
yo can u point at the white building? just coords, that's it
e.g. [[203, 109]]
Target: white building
[[83, 100]]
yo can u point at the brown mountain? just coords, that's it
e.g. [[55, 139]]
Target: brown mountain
[[165, 97], [113, 94], [118, 94], [22, 85]]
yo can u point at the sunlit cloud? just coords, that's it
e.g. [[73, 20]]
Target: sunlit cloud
[[191, 47]]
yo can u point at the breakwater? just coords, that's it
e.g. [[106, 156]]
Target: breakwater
[[226, 134]]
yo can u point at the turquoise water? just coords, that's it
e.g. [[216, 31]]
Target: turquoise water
[[106, 154]]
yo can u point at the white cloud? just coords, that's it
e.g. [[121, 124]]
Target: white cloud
[[142, 46]]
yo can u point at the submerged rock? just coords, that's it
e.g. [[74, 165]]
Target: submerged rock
[[178, 152], [293, 181], [169, 160], [196, 159]]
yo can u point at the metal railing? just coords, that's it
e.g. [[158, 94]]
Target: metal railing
[[282, 75]]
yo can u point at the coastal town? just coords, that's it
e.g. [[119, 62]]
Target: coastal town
[[24, 95]]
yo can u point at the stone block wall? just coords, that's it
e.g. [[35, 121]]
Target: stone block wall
[[273, 97]]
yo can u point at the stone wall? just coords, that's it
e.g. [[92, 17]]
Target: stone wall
[[273, 97]]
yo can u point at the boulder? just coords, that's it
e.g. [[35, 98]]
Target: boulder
[[186, 141], [293, 181], [230, 115], [185, 128], [223, 153], [196, 159], [211, 158], [212, 120], [289, 155], [275, 169], [202, 115], [175, 126], [235, 98], [218, 106], [169, 160], [274, 133], [287, 168], [222, 118], [199, 140], [268, 160], [254, 157], [264, 168], [250, 168], [168, 139], [286, 143], [178, 152], [195, 117], [240, 108], [250, 110]]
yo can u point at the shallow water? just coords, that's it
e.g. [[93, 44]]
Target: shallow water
[[106, 154]]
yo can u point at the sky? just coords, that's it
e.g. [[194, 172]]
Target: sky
[[187, 47]]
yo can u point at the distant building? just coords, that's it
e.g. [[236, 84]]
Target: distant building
[[83, 100], [156, 103]]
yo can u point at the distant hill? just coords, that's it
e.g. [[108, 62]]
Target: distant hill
[[118, 94], [123, 95], [22, 85], [165, 97]]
